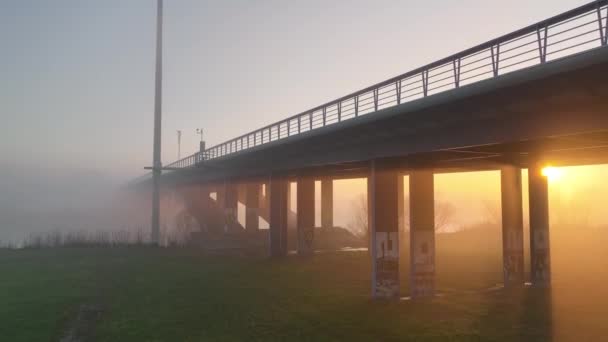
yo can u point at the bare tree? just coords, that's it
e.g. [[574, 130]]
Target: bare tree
[[492, 212], [444, 214], [358, 224]]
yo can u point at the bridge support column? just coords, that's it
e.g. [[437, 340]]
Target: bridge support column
[[383, 224], [512, 226], [539, 226], [264, 202], [220, 195], [306, 215], [327, 202], [400, 203], [422, 234], [231, 205], [203, 195], [278, 216], [252, 205]]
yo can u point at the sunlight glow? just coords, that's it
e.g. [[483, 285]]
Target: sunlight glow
[[552, 173]]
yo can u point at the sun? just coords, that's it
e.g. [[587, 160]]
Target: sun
[[552, 173]]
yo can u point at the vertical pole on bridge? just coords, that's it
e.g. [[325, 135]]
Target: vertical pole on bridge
[[512, 226], [540, 259], [306, 215], [278, 215], [327, 202], [422, 234], [252, 205], [383, 225], [156, 160]]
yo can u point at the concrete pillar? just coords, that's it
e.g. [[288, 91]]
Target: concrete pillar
[[231, 205], [204, 192], [264, 202], [278, 215], [292, 220], [306, 215], [252, 205], [512, 226], [327, 203], [383, 225], [220, 195], [422, 234], [539, 226], [400, 203]]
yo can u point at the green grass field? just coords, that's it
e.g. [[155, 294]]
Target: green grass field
[[147, 294]]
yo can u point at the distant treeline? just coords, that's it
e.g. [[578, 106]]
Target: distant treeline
[[98, 238]]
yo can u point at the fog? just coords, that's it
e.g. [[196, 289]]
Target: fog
[[45, 199], [35, 199]]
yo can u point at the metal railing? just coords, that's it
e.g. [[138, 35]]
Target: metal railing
[[577, 30]]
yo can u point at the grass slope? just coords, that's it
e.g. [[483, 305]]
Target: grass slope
[[147, 294]]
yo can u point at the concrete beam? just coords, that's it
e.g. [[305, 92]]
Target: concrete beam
[[422, 234], [306, 215], [383, 225], [278, 216], [512, 226], [540, 257]]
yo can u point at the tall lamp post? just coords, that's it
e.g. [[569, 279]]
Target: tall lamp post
[[179, 144], [157, 164]]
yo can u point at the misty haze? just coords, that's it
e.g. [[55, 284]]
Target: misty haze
[[284, 171]]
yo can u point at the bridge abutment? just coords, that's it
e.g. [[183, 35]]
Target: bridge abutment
[[512, 226], [327, 202], [383, 227], [278, 191], [306, 215], [540, 270], [422, 234]]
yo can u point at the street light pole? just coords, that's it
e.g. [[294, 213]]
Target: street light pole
[[157, 164], [179, 144]]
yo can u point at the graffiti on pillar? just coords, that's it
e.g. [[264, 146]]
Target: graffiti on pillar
[[513, 258], [230, 219], [306, 237], [513, 271], [540, 267], [387, 264], [423, 263]]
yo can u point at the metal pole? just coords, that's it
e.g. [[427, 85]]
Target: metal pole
[[179, 144], [157, 164]]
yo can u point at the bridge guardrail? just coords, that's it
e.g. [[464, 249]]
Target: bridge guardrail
[[571, 32]]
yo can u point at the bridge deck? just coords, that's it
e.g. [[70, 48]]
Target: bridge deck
[[558, 107]]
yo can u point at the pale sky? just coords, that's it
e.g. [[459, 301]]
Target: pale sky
[[77, 75]]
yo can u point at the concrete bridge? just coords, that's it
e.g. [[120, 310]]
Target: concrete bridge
[[534, 97]]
